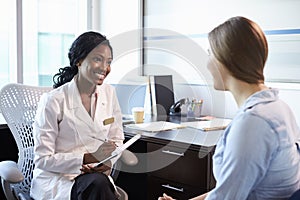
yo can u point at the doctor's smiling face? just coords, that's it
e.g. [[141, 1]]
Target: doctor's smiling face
[[96, 66], [90, 56]]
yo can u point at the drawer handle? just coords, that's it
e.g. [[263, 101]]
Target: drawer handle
[[172, 187], [172, 153]]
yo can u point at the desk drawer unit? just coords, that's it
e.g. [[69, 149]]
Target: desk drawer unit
[[158, 186], [178, 169]]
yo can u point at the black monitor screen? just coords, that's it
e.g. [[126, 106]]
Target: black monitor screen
[[164, 94]]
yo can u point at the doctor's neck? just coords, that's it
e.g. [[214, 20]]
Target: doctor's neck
[[84, 86]]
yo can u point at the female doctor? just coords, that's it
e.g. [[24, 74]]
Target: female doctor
[[78, 124]]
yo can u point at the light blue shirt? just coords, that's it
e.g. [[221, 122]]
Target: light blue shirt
[[258, 156]]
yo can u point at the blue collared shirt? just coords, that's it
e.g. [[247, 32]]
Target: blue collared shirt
[[258, 157]]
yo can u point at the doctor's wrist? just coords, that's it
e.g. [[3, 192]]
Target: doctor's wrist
[[89, 158]]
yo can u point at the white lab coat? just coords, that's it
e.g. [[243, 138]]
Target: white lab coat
[[63, 131]]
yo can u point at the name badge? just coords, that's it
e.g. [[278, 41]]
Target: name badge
[[108, 121]]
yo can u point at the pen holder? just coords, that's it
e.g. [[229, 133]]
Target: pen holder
[[194, 109]]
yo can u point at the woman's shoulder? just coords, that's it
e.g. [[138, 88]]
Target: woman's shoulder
[[57, 94]]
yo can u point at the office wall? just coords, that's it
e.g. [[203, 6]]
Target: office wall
[[130, 96], [292, 97], [216, 103], [222, 104]]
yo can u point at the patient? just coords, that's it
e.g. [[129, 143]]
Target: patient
[[78, 124], [258, 155]]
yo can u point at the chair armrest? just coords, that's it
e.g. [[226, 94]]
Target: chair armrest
[[9, 172], [129, 158]]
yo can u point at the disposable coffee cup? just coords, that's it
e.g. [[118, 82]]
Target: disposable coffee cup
[[138, 114]]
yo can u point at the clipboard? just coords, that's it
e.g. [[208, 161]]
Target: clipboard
[[119, 149]]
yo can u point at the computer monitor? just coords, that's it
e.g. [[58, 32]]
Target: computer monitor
[[162, 94]]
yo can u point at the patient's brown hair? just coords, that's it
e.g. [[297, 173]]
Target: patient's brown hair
[[241, 46]]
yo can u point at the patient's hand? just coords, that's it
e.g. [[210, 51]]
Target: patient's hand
[[165, 197]]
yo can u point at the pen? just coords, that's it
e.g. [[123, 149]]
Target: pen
[[103, 140], [214, 128]]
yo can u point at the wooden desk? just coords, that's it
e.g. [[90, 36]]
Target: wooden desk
[[177, 162]]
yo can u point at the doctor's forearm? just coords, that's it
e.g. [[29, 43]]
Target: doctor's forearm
[[65, 163]]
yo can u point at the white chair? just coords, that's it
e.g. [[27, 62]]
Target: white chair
[[18, 104]]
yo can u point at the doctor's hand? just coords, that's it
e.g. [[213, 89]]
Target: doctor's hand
[[102, 152], [104, 168]]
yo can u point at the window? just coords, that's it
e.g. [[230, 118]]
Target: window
[[35, 39], [49, 28], [172, 24], [8, 53], [52, 45], [46, 29]]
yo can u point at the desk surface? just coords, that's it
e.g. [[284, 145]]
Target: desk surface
[[185, 135], [189, 136]]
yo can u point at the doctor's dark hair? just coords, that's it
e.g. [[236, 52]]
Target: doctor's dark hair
[[241, 46], [78, 51]]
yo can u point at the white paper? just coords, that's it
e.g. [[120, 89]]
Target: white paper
[[155, 126], [214, 124], [120, 149]]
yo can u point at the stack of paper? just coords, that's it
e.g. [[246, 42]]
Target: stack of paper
[[155, 126], [211, 125]]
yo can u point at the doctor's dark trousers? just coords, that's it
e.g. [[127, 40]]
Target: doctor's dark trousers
[[93, 186]]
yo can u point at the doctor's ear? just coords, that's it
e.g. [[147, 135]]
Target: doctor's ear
[[78, 64]]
